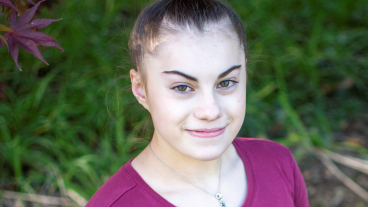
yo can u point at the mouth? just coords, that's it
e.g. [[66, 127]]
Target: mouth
[[206, 133]]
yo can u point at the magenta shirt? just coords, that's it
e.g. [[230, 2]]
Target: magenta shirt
[[273, 176]]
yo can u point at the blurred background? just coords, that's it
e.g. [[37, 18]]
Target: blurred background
[[65, 128]]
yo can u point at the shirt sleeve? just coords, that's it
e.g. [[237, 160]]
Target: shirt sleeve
[[300, 189]]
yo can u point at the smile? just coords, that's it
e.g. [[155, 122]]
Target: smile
[[206, 133]]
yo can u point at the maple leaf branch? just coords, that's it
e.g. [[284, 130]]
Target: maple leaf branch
[[21, 33], [9, 4]]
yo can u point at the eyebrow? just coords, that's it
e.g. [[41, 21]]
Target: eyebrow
[[229, 71], [196, 80]]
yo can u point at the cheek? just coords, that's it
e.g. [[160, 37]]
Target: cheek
[[167, 112], [234, 106]]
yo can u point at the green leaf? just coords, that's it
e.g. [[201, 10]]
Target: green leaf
[[3, 39], [4, 28]]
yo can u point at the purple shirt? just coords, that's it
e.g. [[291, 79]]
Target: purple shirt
[[273, 176]]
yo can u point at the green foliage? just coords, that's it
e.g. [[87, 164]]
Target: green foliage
[[312, 54], [76, 119]]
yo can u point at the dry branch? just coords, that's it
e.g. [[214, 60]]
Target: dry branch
[[355, 163], [68, 192], [49, 200], [76, 197], [340, 175]]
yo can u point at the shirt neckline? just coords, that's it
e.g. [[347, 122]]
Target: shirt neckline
[[133, 174]]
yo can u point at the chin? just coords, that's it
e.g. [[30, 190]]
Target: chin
[[207, 158], [207, 153]]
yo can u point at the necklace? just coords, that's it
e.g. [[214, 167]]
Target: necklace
[[218, 196]]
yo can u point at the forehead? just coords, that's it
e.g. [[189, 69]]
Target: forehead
[[214, 49]]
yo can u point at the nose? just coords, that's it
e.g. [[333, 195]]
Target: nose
[[208, 107]]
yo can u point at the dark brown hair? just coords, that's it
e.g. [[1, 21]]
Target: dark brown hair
[[195, 14]]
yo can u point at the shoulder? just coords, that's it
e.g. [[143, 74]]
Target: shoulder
[[119, 184], [267, 158], [266, 155], [273, 164], [125, 189], [262, 147]]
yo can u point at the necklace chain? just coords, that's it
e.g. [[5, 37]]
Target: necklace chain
[[218, 195]]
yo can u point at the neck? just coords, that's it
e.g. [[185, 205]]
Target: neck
[[197, 171]]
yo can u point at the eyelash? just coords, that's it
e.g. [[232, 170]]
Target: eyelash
[[233, 82]]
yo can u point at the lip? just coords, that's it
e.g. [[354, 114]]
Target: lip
[[206, 133]]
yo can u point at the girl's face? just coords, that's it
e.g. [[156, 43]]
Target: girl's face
[[195, 91]]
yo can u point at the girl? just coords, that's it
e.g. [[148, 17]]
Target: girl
[[190, 57]]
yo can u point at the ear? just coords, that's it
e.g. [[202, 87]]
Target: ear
[[138, 88]]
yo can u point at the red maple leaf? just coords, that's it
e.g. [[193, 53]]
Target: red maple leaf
[[9, 4], [24, 35]]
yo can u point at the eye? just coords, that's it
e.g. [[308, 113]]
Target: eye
[[182, 89], [227, 84]]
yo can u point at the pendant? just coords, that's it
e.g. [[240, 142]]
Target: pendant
[[219, 197]]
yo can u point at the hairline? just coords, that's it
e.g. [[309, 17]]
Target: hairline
[[170, 28]]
